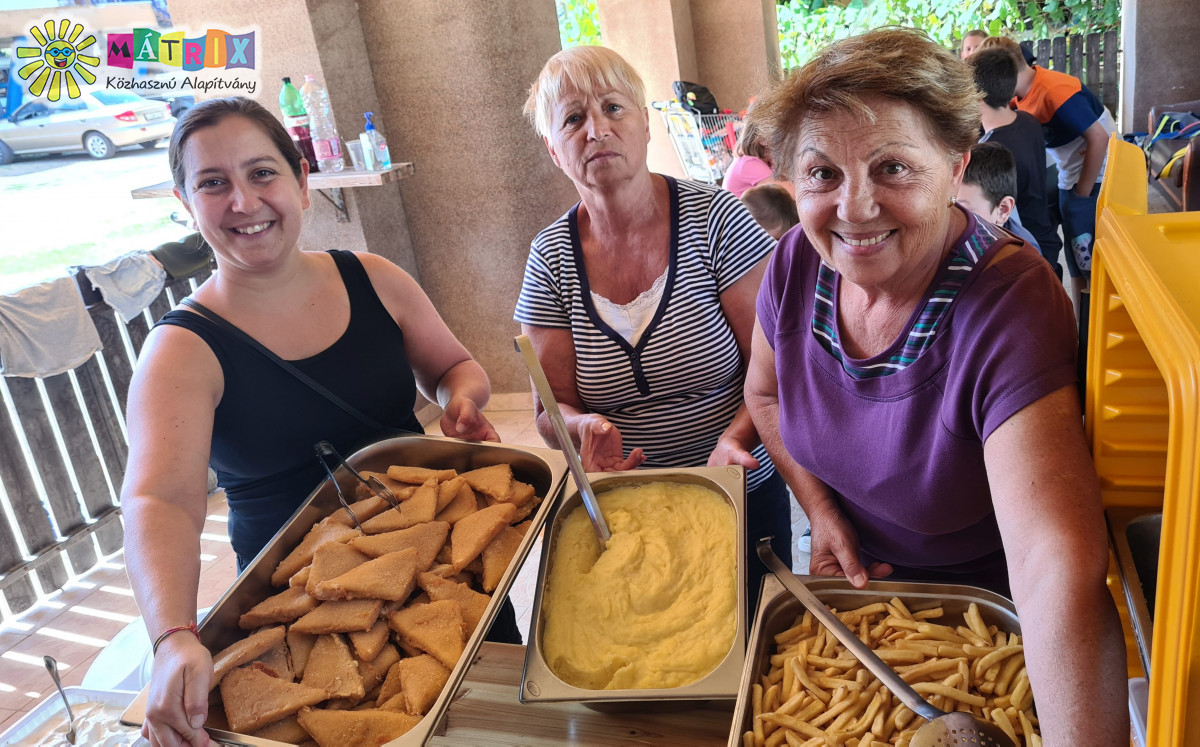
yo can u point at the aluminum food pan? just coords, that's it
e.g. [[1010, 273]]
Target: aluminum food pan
[[543, 468], [22, 732], [539, 682], [777, 611]]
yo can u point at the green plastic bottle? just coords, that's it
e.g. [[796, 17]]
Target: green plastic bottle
[[295, 119]]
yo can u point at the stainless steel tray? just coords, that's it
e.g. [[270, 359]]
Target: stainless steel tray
[[545, 469], [21, 732], [539, 682], [777, 611], [1135, 534]]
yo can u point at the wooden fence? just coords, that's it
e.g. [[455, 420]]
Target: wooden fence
[[63, 512], [1095, 59]]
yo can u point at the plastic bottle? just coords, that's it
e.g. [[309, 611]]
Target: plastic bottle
[[326, 143], [295, 119], [373, 141]]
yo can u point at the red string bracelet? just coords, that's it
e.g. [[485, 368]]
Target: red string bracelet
[[190, 626]]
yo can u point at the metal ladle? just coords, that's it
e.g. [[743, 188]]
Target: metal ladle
[[525, 348], [52, 668], [942, 728]]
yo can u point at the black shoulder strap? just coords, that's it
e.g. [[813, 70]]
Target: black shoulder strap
[[312, 383]]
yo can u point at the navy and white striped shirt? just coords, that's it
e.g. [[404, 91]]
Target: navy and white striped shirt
[[676, 391]]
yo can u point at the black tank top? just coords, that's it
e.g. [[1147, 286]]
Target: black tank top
[[267, 422]]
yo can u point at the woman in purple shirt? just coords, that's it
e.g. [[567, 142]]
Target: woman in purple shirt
[[912, 373]]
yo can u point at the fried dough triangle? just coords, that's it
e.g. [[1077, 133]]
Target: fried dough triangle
[[283, 607], [418, 509], [363, 509], [473, 603], [254, 698], [368, 645], [325, 530], [499, 553], [343, 728], [390, 578], [246, 650], [418, 475], [494, 481], [332, 668], [330, 561], [473, 533], [300, 644], [421, 681], [463, 503], [428, 538], [340, 617], [436, 628], [375, 670]]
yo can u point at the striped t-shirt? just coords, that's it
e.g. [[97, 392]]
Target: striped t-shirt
[[676, 391], [924, 326]]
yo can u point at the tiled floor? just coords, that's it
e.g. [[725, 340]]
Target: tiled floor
[[74, 624]]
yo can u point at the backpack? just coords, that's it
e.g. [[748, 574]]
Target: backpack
[[695, 98]]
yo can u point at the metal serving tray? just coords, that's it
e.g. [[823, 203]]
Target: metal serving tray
[[1135, 534], [21, 732], [777, 611], [543, 468], [539, 681]]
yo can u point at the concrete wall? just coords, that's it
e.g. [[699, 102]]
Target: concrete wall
[[1165, 54], [452, 77]]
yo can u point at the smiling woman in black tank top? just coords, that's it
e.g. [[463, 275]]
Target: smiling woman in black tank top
[[354, 322]]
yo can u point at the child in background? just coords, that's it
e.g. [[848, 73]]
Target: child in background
[[773, 207], [996, 78], [970, 42], [988, 186], [752, 162]]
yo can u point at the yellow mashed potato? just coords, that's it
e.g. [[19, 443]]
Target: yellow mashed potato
[[658, 607]]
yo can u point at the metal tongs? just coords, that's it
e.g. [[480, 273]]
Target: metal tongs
[[375, 486], [525, 348]]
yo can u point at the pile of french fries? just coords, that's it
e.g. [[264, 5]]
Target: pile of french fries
[[817, 693]]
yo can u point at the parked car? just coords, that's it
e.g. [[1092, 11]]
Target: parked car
[[98, 123], [179, 104]]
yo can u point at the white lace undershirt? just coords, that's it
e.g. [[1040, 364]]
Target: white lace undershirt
[[631, 319]]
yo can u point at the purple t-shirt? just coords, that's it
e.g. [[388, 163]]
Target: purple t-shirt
[[904, 452]]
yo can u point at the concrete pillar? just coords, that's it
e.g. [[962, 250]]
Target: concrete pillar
[[328, 42], [730, 46], [1161, 63], [452, 76], [655, 36], [737, 48]]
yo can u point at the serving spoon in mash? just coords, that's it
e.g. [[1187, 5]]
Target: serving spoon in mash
[[52, 668], [941, 728], [525, 348]]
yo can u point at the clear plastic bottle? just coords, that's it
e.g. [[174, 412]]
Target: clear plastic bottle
[[295, 119], [373, 140], [326, 143]]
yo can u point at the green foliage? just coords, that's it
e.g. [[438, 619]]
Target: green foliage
[[578, 23], [805, 26]]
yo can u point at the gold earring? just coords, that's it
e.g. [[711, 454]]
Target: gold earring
[[950, 203]]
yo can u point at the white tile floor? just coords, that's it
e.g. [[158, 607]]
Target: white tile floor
[[74, 624]]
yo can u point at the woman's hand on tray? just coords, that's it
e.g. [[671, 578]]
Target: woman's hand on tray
[[179, 685], [600, 447], [835, 550]]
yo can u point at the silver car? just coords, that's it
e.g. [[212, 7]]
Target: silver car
[[97, 123]]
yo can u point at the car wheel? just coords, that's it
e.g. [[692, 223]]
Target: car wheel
[[149, 144], [6, 154], [98, 146]]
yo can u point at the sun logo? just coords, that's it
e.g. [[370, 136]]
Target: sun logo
[[60, 59]]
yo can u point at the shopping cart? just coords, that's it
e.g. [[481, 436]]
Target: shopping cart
[[703, 142]]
